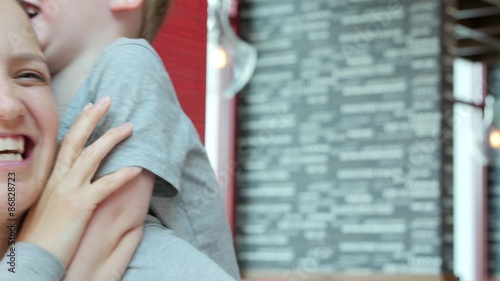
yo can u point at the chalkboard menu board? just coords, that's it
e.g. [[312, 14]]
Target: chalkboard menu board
[[345, 139], [494, 183]]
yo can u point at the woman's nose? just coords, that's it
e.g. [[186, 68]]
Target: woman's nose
[[11, 106]]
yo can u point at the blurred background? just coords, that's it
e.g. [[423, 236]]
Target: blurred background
[[352, 139]]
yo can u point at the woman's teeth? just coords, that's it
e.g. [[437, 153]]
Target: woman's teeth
[[11, 148], [11, 157]]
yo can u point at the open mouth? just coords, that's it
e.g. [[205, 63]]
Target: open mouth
[[15, 148], [32, 8]]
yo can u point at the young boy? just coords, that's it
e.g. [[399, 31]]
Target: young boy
[[91, 52]]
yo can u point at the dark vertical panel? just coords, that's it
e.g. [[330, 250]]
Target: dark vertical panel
[[182, 44], [345, 139], [494, 183]]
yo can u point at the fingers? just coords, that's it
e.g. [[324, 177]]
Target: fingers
[[79, 133], [106, 185], [86, 165]]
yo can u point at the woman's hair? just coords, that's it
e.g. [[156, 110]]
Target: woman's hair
[[155, 13]]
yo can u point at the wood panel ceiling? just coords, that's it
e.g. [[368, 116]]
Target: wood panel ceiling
[[478, 30]]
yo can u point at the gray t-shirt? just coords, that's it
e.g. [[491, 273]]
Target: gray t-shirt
[[184, 263], [151, 261], [186, 196]]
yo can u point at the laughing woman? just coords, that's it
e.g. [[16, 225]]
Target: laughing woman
[[67, 198]]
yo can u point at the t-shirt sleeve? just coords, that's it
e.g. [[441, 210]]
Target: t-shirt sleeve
[[162, 256], [141, 92], [30, 262]]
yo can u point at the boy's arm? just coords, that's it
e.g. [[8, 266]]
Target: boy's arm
[[142, 93], [113, 233]]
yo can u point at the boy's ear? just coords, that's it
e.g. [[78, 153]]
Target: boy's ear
[[125, 5]]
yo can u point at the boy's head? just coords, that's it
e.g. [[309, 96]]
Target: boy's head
[[70, 29]]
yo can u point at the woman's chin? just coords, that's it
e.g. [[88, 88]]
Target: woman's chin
[[16, 198]]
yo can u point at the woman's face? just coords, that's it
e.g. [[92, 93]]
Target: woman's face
[[28, 115]]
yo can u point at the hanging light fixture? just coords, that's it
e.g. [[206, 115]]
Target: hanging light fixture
[[490, 130], [487, 138], [230, 65], [233, 58]]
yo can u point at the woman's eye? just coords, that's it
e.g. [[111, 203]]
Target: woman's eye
[[31, 76]]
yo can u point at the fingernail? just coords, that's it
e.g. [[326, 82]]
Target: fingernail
[[125, 126], [103, 101], [87, 106], [135, 169]]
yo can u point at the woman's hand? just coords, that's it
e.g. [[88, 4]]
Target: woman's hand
[[59, 218]]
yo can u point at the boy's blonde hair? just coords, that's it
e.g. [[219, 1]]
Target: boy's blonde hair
[[155, 13]]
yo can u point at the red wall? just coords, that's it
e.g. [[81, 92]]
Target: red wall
[[182, 44]]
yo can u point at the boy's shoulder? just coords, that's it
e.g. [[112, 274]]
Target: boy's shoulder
[[128, 61], [129, 66], [124, 42], [131, 48]]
